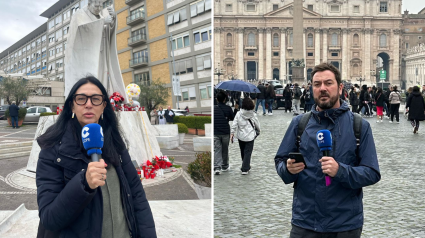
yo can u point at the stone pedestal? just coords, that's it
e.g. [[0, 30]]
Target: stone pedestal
[[298, 75], [203, 143], [168, 137], [137, 130]]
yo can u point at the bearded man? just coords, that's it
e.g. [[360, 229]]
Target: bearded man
[[320, 209], [91, 48]]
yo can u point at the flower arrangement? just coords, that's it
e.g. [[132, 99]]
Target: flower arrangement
[[116, 100], [150, 169]]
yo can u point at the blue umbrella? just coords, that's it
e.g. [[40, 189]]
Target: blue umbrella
[[237, 85]]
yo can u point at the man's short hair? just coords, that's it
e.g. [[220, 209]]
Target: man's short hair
[[296, 84], [221, 96], [326, 66], [13, 102]]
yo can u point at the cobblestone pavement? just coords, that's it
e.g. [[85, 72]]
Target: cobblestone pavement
[[259, 204]]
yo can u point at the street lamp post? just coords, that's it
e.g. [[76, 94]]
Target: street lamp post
[[218, 71]]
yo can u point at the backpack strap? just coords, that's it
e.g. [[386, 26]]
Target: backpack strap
[[301, 127], [357, 127]]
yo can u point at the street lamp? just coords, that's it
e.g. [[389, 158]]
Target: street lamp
[[218, 71], [231, 76]]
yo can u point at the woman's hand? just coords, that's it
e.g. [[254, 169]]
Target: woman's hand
[[96, 174]]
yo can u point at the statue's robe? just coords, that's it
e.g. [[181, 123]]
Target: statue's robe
[[91, 50]]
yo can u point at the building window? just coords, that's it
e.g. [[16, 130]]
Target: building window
[[205, 91], [251, 54], [177, 16], [200, 7], [229, 8], [58, 48], [138, 13], [184, 66], [309, 53], [51, 24], [51, 67], [251, 39], [334, 41], [66, 15], [58, 34], [33, 45], [383, 40], [141, 56], [43, 39], [356, 39], [188, 94], [310, 40], [334, 54], [310, 7], [180, 42], [275, 53], [52, 38], [51, 52], [291, 39], [275, 7], [58, 19], [75, 8], [276, 40], [142, 78], [334, 8], [203, 62], [65, 30], [356, 9], [250, 8], [28, 47], [229, 39], [383, 7], [202, 35], [407, 45]]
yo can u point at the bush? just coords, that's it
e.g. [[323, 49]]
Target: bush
[[200, 169], [201, 121], [43, 114], [21, 113], [195, 122], [182, 128]]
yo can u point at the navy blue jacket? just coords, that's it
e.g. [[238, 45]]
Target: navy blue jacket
[[338, 207], [65, 205], [14, 110]]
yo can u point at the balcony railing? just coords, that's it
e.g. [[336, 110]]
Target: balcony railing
[[139, 62], [250, 47], [136, 18], [137, 40], [132, 2], [334, 47]]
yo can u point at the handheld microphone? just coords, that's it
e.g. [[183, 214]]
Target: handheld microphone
[[324, 141], [92, 136]]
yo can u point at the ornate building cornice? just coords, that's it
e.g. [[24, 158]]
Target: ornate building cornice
[[240, 30]]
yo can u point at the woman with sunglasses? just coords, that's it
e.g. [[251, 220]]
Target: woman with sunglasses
[[80, 198]]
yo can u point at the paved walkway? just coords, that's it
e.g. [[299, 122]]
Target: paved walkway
[[259, 204]]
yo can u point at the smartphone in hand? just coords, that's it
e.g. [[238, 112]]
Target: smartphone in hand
[[299, 158]]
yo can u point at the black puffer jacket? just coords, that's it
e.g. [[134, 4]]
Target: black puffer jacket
[[416, 105], [222, 115]]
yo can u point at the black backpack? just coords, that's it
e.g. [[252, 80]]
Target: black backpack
[[307, 96], [297, 93], [357, 127]]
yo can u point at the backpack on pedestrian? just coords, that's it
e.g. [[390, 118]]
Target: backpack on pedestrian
[[297, 93], [307, 96]]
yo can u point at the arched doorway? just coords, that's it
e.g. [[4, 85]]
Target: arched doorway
[[276, 73], [309, 78], [383, 63]]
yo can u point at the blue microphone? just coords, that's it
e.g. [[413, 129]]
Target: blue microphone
[[92, 135], [324, 141]]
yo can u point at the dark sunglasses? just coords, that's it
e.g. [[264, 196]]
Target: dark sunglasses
[[81, 99]]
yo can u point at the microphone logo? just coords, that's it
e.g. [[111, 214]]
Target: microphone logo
[[85, 132], [320, 136], [101, 131]]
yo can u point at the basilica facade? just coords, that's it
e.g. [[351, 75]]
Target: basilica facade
[[254, 38]]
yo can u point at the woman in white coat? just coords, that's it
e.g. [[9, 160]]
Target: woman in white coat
[[161, 116], [246, 128]]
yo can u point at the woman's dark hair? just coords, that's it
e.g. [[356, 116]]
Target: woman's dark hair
[[364, 87], [270, 91], [415, 89], [247, 104], [379, 90], [395, 88], [113, 142]]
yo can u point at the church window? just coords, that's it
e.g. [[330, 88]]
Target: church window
[[275, 7], [229, 8], [275, 53], [335, 8], [310, 54], [275, 40], [251, 54], [334, 41], [291, 39], [383, 7], [310, 40], [251, 39], [356, 39], [229, 39], [356, 9], [310, 7], [383, 40], [250, 8]]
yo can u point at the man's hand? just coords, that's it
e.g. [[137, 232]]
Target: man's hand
[[294, 168], [108, 20], [111, 12], [329, 166]]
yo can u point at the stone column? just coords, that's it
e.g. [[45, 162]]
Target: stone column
[[260, 54], [317, 46], [282, 70], [325, 45], [395, 77], [305, 53], [240, 54], [366, 54], [217, 50], [269, 74], [345, 64]]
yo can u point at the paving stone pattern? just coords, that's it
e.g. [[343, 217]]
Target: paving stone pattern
[[259, 204]]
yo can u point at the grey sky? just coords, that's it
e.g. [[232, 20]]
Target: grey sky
[[20, 17]]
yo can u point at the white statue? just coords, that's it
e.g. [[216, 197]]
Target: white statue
[[91, 48]]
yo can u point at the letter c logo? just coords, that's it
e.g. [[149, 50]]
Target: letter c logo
[[85, 132], [320, 136]]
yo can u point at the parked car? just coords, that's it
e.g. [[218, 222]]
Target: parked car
[[276, 84], [280, 99], [180, 112], [3, 109], [33, 113]]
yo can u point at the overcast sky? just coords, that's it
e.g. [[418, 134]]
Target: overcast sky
[[20, 17]]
